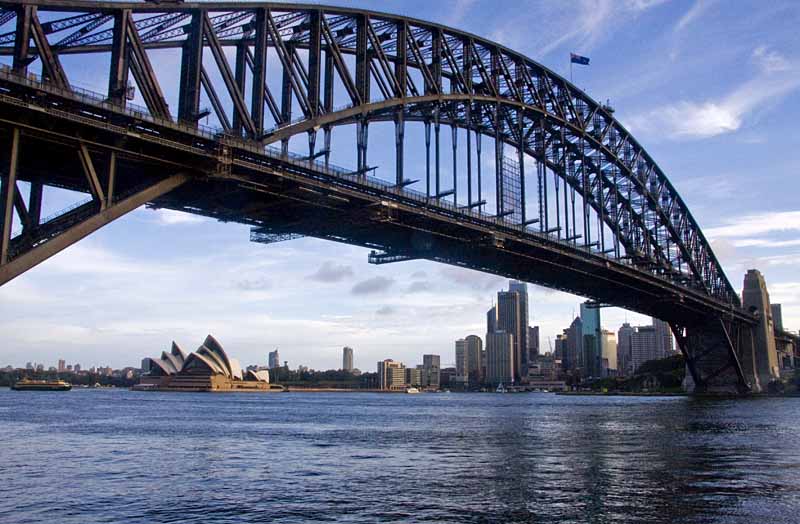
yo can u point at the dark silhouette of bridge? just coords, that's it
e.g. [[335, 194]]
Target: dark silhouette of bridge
[[573, 201]]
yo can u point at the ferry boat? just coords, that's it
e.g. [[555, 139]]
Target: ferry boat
[[27, 384], [412, 390]]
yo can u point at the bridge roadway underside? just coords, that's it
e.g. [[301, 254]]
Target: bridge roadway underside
[[280, 196]]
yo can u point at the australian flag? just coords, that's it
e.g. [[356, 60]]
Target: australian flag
[[578, 59]]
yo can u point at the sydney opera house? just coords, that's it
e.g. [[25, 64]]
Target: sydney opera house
[[207, 369]]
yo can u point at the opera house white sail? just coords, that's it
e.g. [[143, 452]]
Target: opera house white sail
[[207, 369]]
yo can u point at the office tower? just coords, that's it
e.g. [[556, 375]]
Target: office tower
[[664, 345], [509, 319], [462, 371], [62, 365], [274, 360], [521, 288], [391, 375], [474, 354], [608, 353], [624, 349], [347, 358], [77, 368], [777, 316], [491, 320], [533, 342], [590, 317], [414, 376], [560, 348], [573, 358], [644, 344], [499, 358], [431, 366]]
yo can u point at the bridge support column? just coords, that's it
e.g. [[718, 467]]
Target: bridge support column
[[755, 298], [713, 350]]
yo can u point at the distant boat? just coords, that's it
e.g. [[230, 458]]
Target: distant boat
[[412, 390], [27, 384], [501, 388]]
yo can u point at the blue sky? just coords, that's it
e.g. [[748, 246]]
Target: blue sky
[[710, 88]]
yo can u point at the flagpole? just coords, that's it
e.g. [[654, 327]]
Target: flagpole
[[570, 69]]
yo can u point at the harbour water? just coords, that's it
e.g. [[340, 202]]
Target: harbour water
[[120, 456]]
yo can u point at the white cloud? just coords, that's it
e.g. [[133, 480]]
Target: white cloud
[[581, 27], [694, 12], [762, 242], [170, 217], [697, 120], [756, 224], [770, 61]]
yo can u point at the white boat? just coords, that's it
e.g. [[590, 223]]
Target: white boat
[[412, 390], [501, 389]]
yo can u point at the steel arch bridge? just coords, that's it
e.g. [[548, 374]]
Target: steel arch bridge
[[565, 197]]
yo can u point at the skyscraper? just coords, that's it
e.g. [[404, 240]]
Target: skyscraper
[[509, 319], [391, 375], [499, 357], [590, 318], [521, 288], [274, 360], [347, 358], [608, 350], [462, 371], [491, 320], [644, 344], [62, 365], [624, 349], [431, 370], [777, 316], [474, 364], [573, 357], [664, 345], [533, 342]]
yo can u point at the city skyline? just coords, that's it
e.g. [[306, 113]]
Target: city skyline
[[139, 281]]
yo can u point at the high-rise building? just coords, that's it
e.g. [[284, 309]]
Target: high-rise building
[[431, 368], [509, 319], [474, 359], [491, 320], [462, 370], [499, 357], [608, 349], [391, 375], [590, 318], [62, 365], [573, 356], [274, 360], [644, 346], [624, 349], [664, 344], [777, 316], [560, 348], [414, 376], [521, 288], [77, 368], [533, 342], [347, 358]]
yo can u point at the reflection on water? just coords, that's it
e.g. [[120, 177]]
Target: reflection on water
[[120, 456]]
